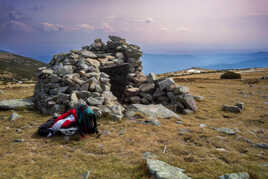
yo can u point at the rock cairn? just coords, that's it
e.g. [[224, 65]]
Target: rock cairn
[[106, 77]]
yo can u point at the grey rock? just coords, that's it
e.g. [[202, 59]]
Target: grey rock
[[240, 105], [261, 145], [179, 122], [64, 69], [152, 122], [233, 109], [86, 174], [188, 101], [14, 116], [147, 87], [162, 170], [19, 140], [95, 101], [88, 54], [203, 125], [226, 131], [167, 83], [1, 92], [181, 89], [242, 175], [153, 111], [151, 77], [199, 98], [16, 104], [74, 100]]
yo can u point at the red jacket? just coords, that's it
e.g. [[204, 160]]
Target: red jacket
[[67, 123]]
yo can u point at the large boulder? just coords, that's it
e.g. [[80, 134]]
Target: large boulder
[[151, 111], [162, 170]]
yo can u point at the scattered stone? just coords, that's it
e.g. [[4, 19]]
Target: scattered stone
[[181, 90], [264, 164], [199, 98], [241, 105], [16, 104], [264, 78], [86, 174], [19, 140], [233, 109], [121, 132], [226, 131], [261, 145], [162, 170], [14, 116], [179, 122], [152, 122], [152, 111], [242, 175], [203, 125]]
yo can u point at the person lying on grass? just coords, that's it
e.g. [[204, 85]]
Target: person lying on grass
[[81, 119]]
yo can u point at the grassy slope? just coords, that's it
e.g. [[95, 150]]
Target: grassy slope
[[18, 67], [114, 156]]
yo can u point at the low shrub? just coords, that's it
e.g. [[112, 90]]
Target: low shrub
[[231, 75]]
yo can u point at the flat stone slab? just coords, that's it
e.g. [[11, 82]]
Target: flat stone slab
[[162, 170], [152, 111], [16, 104]]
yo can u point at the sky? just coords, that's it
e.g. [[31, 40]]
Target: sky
[[41, 28]]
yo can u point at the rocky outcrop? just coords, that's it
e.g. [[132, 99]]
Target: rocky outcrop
[[105, 76]]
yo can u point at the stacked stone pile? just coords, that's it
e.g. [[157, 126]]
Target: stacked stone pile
[[104, 76]]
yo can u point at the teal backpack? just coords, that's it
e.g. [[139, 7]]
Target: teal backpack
[[86, 120]]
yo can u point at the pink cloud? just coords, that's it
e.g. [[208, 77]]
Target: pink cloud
[[52, 27], [17, 25]]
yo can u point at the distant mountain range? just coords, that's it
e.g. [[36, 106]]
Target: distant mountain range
[[18, 67]]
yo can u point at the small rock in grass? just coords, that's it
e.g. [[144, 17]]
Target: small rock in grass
[[226, 131], [242, 175], [19, 140], [152, 122], [233, 109], [86, 174], [178, 122], [1, 92], [261, 145], [199, 98], [14, 116], [203, 125]]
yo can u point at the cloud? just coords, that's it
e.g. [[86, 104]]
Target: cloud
[[164, 29], [183, 29], [52, 27], [86, 27], [149, 20], [18, 26], [107, 27]]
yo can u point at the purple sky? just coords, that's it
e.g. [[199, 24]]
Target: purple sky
[[40, 28]]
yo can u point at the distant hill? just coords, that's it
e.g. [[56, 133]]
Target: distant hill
[[18, 67]]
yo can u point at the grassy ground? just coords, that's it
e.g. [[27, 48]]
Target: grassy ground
[[118, 152]]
